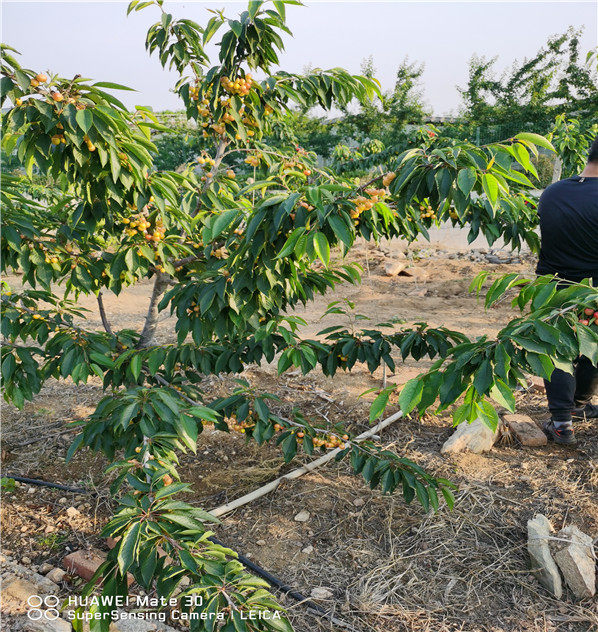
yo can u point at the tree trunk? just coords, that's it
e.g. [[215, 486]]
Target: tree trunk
[[147, 338], [557, 169]]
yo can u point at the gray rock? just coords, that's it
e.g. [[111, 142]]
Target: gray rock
[[474, 437], [17, 591], [392, 268], [543, 566], [56, 575], [138, 625], [46, 625], [302, 516], [577, 561], [308, 549], [321, 593]]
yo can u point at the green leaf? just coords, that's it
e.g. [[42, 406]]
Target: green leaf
[[113, 86], [222, 222], [322, 248], [169, 490], [503, 395], [135, 366], [536, 139], [128, 547], [84, 120], [411, 394], [588, 343], [490, 185], [466, 179], [290, 243], [379, 404], [488, 415]]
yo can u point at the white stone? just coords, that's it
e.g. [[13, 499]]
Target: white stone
[[308, 549], [474, 437], [56, 575], [359, 502], [302, 516], [261, 542], [577, 561], [319, 592], [72, 512], [539, 532], [392, 268]]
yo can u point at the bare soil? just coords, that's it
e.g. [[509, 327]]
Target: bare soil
[[390, 567]]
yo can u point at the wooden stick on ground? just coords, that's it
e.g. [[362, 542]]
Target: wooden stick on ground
[[272, 485]]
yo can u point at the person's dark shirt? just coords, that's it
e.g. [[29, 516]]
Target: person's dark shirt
[[568, 212]]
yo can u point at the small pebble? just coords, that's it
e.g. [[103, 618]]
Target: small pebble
[[56, 575], [71, 512], [321, 593]]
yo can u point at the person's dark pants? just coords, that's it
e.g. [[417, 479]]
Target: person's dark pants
[[566, 392]]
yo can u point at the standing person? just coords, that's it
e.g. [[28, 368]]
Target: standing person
[[568, 212]]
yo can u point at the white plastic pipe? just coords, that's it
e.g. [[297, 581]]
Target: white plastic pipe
[[272, 485]]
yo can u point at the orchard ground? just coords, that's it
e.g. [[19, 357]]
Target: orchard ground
[[388, 569]]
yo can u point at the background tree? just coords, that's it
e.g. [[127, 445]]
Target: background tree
[[555, 81], [385, 117], [230, 252]]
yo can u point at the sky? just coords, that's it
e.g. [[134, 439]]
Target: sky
[[98, 40]]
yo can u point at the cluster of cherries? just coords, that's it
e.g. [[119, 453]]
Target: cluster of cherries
[[589, 316], [240, 85], [140, 224], [326, 440], [363, 203]]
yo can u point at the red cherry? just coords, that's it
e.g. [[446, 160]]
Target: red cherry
[[588, 311], [584, 321]]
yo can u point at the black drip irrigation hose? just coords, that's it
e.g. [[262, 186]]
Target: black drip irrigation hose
[[258, 570], [291, 592], [35, 481]]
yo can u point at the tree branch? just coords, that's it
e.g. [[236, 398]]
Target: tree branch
[[103, 316]]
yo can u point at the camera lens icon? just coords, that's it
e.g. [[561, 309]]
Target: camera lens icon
[[43, 607]]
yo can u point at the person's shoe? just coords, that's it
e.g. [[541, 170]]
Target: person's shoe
[[562, 436], [588, 411]]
